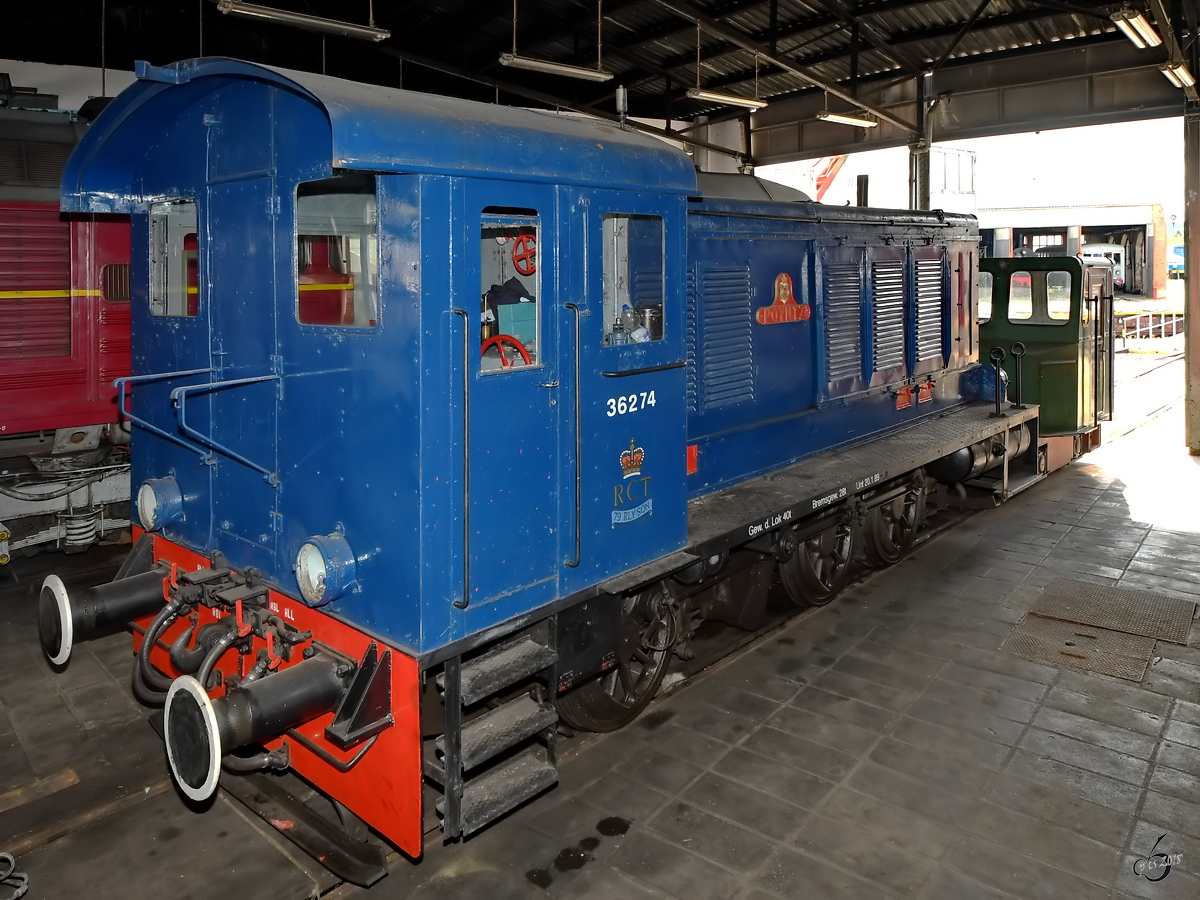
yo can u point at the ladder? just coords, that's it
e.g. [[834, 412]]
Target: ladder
[[497, 748]]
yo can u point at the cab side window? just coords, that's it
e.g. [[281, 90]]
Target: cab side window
[[510, 288], [1020, 297], [1058, 295], [633, 279], [985, 296], [174, 259], [337, 252]]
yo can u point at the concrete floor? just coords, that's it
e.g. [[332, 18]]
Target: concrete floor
[[880, 747], [884, 747]]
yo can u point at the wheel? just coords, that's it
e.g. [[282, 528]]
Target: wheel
[[524, 254], [889, 530], [817, 571], [615, 699], [498, 341]]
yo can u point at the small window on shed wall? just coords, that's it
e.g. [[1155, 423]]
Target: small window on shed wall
[[174, 259], [337, 252]]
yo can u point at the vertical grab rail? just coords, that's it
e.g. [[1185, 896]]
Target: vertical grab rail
[[572, 563], [466, 513]]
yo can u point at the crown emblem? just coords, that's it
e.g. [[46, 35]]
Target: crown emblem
[[631, 459]]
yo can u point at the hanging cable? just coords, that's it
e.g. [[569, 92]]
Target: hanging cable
[[103, 61]]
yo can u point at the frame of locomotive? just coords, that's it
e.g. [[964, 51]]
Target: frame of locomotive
[[387, 545]]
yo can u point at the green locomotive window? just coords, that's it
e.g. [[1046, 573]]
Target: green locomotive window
[[337, 252], [1058, 295], [174, 259], [985, 297], [1020, 296], [509, 283], [633, 279]]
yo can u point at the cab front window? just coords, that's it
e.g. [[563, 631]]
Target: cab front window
[[174, 259], [337, 254]]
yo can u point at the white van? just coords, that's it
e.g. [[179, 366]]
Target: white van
[[1114, 253]]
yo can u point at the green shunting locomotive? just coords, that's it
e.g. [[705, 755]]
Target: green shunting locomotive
[[1052, 316]]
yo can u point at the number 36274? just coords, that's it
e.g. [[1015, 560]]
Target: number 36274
[[618, 406]]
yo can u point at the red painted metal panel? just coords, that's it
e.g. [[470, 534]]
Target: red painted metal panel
[[61, 342], [384, 788], [35, 281]]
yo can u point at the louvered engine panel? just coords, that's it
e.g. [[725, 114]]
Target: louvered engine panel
[[33, 162], [887, 290], [930, 305], [35, 328], [693, 392], [727, 351], [35, 256], [843, 321]]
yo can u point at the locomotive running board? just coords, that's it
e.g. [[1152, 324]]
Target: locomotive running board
[[732, 516]]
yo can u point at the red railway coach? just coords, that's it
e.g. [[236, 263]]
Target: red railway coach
[[64, 337]]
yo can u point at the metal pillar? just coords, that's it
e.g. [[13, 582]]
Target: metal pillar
[[1191, 251], [918, 150], [1074, 240], [1002, 243]]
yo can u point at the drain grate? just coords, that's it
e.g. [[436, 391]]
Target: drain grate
[[1081, 646], [1117, 609]]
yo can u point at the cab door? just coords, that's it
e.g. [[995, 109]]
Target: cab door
[[505, 296], [624, 437], [1098, 294]]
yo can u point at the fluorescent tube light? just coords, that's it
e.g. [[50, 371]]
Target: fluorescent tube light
[[553, 68], [727, 99], [1135, 27], [1178, 75], [300, 20], [846, 119]]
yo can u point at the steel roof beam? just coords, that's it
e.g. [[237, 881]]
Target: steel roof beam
[[680, 62], [992, 22], [876, 38], [1175, 52], [687, 11]]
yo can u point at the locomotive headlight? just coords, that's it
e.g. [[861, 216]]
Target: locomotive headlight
[[324, 569], [159, 503]]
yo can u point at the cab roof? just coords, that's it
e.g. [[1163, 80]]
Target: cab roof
[[383, 129]]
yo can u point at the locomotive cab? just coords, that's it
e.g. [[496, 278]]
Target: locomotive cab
[[1052, 317], [422, 385]]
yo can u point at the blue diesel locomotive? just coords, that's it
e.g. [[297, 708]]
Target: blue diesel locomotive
[[454, 419]]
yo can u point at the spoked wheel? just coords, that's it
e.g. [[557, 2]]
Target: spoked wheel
[[889, 530], [817, 571], [613, 700]]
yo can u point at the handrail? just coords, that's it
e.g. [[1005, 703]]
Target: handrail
[[122, 409], [179, 398], [569, 563], [466, 514]]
